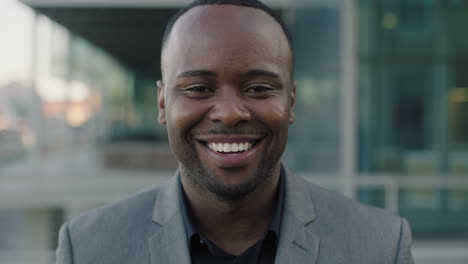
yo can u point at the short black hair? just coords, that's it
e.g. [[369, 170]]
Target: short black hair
[[248, 3]]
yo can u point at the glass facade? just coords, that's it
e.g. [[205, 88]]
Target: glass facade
[[313, 145], [413, 108], [78, 123]]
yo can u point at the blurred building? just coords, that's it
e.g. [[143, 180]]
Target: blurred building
[[382, 112]]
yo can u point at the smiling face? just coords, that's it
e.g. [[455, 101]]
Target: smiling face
[[227, 98]]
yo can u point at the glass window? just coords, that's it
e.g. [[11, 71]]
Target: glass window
[[413, 106], [372, 196], [458, 122], [435, 210], [314, 138], [396, 121]]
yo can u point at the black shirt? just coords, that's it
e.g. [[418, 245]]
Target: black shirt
[[204, 251]]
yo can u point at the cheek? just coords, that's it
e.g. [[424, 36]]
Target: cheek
[[183, 114], [275, 113]]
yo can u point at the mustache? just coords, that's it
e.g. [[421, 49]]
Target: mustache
[[226, 131]]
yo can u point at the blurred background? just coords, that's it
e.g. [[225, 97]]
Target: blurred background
[[382, 112]]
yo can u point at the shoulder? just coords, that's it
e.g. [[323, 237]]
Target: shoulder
[[343, 212], [356, 230], [135, 208], [332, 205], [110, 234]]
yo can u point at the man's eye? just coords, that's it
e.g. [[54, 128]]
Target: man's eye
[[258, 89], [198, 89]]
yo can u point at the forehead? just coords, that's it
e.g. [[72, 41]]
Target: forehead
[[213, 35]]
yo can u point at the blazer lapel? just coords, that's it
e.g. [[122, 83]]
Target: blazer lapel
[[297, 242], [168, 244]]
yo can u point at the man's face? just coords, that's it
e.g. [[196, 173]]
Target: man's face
[[227, 97]]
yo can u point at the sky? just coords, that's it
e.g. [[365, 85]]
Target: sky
[[15, 41]]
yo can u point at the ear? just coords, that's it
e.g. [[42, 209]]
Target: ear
[[161, 103], [292, 115]]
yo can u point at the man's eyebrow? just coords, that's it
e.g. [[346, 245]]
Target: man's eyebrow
[[255, 73], [194, 73]]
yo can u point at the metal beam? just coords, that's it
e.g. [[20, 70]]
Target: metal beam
[[348, 118], [132, 3]]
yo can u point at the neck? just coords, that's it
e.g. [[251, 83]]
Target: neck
[[233, 225]]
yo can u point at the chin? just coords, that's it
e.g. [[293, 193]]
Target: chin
[[228, 191], [237, 191]]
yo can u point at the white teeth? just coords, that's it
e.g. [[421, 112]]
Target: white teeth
[[234, 147], [213, 146], [227, 147], [230, 147]]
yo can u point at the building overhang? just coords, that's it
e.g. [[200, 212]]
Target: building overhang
[[129, 30], [132, 35], [132, 3]]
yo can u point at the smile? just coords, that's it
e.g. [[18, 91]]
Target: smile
[[230, 147], [229, 151]]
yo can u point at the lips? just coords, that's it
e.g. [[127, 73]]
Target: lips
[[230, 151]]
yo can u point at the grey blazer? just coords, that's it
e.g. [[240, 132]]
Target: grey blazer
[[317, 226]]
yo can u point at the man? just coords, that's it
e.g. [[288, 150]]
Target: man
[[227, 99]]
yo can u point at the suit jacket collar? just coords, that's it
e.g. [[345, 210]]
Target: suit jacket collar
[[167, 201], [168, 244], [297, 242]]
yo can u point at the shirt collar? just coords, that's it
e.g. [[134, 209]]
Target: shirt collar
[[274, 226]]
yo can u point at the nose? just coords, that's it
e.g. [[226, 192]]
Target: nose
[[230, 111]]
